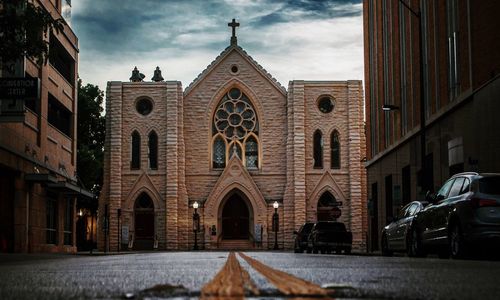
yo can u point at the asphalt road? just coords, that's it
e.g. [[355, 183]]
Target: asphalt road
[[183, 274]]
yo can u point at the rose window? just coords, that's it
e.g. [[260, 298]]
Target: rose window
[[235, 117], [235, 130]]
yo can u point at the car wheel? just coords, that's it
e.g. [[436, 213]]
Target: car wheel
[[308, 250], [457, 243], [347, 251], [415, 248], [323, 251], [385, 246]]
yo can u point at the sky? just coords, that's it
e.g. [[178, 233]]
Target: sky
[[291, 39]]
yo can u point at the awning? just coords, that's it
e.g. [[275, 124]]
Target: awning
[[40, 178], [70, 189]]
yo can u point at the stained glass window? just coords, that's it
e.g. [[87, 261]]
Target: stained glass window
[[318, 149], [219, 153], [335, 146], [136, 151], [251, 153], [234, 120], [153, 150]]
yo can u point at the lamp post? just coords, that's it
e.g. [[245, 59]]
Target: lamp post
[[423, 169], [276, 224], [196, 224]]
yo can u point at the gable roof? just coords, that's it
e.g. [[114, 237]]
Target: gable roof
[[243, 54]]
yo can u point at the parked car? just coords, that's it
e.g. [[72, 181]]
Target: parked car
[[395, 236], [327, 236], [301, 237], [464, 215]]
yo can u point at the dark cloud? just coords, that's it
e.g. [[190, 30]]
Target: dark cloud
[[293, 10]]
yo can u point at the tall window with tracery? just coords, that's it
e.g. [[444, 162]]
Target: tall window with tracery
[[235, 131], [135, 163], [318, 149], [335, 147], [153, 150]]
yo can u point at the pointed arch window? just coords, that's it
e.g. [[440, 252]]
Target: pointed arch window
[[153, 150], [235, 129], [135, 163], [251, 153], [219, 153], [318, 149], [335, 147]]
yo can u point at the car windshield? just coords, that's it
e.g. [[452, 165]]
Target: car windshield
[[334, 226], [490, 185]]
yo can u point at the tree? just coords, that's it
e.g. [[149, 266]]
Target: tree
[[91, 132], [23, 26]]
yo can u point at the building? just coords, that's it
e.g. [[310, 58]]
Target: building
[[38, 186], [440, 97], [235, 141]]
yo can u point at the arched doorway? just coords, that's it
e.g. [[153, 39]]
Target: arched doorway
[[236, 217], [144, 216], [328, 207]]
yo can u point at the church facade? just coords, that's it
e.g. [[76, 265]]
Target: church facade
[[233, 143]]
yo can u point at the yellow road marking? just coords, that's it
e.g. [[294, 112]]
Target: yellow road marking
[[284, 282], [230, 281]]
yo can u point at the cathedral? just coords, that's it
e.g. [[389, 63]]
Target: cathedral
[[233, 161]]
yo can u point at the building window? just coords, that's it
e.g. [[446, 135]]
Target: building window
[[318, 149], [68, 222], [59, 116], [144, 106], [452, 14], [51, 219], [326, 104], [335, 147], [153, 150], [235, 128], [136, 151], [219, 153], [31, 103], [251, 152], [61, 60]]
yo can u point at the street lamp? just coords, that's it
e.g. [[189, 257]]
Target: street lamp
[[276, 223], [196, 225], [423, 171]]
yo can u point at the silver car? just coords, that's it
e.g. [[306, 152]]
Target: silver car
[[463, 216], [395, 236]]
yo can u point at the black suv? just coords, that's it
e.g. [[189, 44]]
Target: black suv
[[328, 236], [301, 237], [463, 214]]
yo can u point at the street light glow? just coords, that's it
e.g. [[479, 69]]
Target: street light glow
[[195, 205], [276, 204]]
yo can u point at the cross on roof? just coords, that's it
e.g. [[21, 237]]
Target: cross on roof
[[233, 24]]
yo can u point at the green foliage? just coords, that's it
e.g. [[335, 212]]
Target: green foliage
[[91, 133], [23, 26]]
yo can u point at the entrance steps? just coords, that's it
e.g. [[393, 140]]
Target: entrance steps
[[236, 245]]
